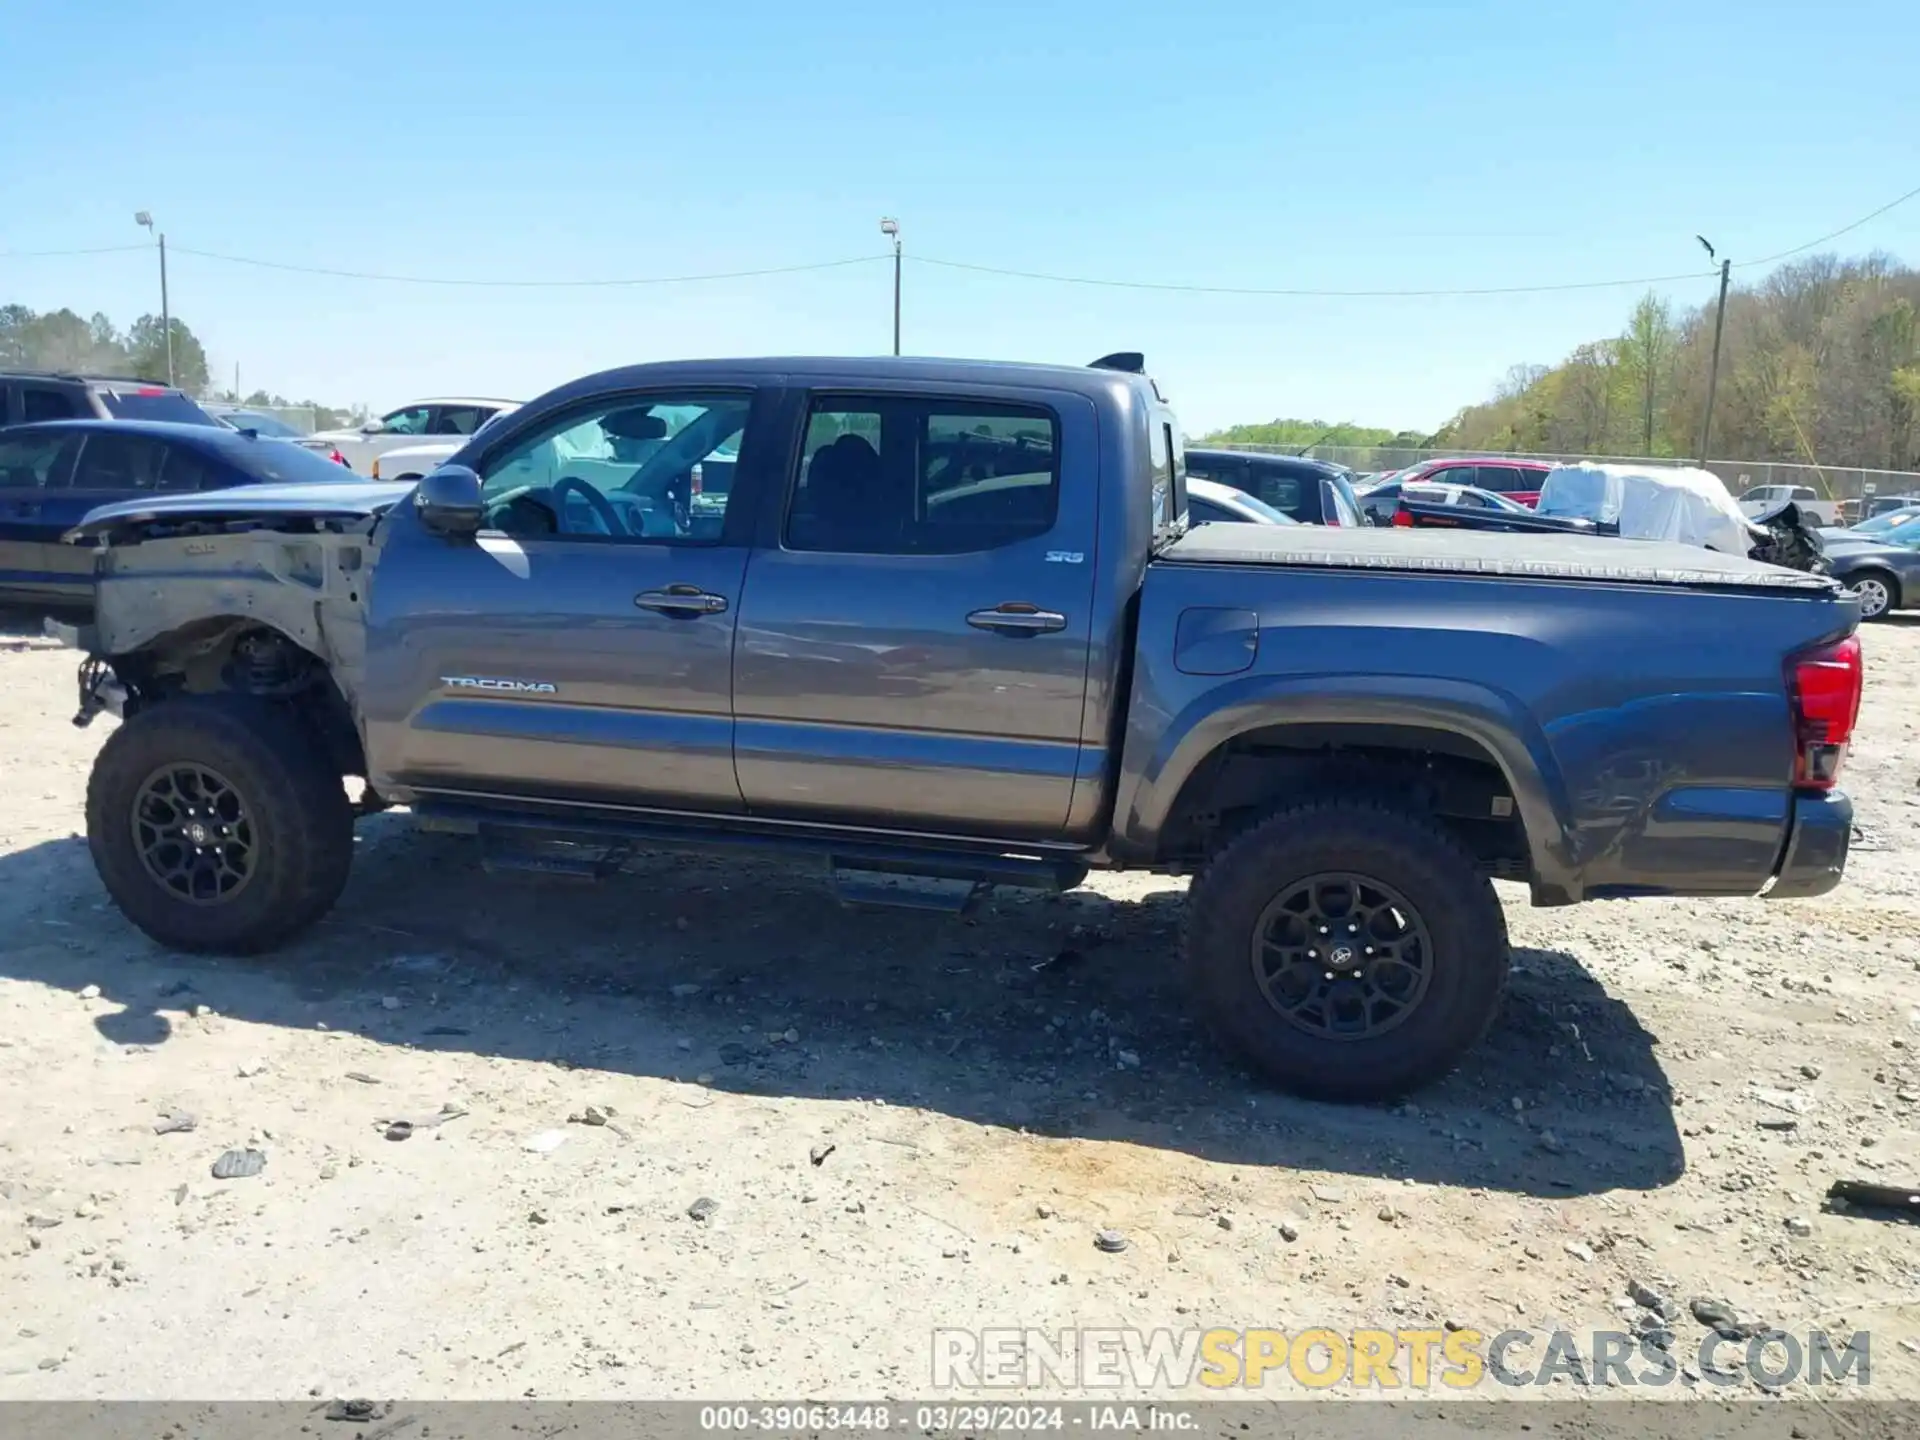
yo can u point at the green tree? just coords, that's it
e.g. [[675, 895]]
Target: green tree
[[147, 353], [1298, 434], [1646, 353]]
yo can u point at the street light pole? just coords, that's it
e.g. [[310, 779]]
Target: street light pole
[[891, 227], [1713, 369], [145, 220]]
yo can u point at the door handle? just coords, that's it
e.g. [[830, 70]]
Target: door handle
[[1016, 617], [683, 602]]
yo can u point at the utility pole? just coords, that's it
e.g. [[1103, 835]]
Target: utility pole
[[144, 219], [891, 227], [1713, 369]]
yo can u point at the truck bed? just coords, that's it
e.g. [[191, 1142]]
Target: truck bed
[[1462, 552]]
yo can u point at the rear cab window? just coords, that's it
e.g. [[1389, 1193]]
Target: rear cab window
[[1167, 459], [150, 402]]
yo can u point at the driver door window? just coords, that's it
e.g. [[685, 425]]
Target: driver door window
[[411, 421], [652, 469]]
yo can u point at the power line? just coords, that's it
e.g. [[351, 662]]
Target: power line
[[1835, 235], [1047, 277], [49, 254], [1305, 293], [525, 284]]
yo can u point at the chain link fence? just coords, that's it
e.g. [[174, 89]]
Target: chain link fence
[[1847, 484]]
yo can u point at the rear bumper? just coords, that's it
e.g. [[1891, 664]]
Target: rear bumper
[[1815, 855]]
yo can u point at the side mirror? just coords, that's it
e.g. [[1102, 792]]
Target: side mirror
[[369, 427], [449, 502]]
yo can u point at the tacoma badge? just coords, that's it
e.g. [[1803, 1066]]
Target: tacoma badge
[[488, 682]]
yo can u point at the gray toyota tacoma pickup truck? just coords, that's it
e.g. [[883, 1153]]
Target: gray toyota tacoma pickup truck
[[943, 623]]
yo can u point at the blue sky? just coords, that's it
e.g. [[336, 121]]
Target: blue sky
[[1254, 144]]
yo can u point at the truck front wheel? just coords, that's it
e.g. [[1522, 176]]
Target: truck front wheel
[[1347, 950], [217, 825]]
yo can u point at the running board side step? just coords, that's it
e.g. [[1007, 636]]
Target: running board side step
[[861, 873]]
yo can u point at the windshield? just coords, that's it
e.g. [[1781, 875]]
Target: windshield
[[1892, 520], [270, 426], [152, 402]]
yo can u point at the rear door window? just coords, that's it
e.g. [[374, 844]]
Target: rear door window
[[1503, 479], [187, 472], [1280, 490], [456, 419], [32, 462], [911, 476], [1227, 472], [110, 461], [37, 402]]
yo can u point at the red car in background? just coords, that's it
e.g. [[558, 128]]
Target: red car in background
[[1516, 479]]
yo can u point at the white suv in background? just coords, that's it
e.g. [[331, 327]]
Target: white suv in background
[[410, 425]]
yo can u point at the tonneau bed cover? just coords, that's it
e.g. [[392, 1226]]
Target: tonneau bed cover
[[1478, 552]]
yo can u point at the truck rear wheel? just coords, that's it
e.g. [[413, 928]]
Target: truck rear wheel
[[217, 825], [1348, 951]]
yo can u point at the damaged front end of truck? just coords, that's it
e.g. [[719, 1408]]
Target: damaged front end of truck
[[259, 591]]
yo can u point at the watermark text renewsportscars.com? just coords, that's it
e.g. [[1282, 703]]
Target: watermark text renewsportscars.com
[[1405, 1360]]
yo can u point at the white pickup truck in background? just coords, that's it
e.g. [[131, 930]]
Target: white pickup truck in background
[[1763, 498], [451, 419]]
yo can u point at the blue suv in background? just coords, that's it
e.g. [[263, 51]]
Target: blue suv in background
[[52, 474]]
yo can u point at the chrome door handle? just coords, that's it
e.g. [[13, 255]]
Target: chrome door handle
[[1018, 618], [681, 601]]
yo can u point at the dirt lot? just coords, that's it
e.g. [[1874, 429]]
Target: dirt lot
[[1669, 1092]]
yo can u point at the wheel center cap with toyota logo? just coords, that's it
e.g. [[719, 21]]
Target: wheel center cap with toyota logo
[[1343, 954]]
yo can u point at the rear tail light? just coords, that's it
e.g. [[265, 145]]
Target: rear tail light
[[337, 458], [1824, 686], [1403, 519]]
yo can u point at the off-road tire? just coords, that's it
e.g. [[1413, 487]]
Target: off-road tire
[[302, 822], [1410, 853]]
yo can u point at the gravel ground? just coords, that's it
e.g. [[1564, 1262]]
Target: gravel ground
[[895, 1122]]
